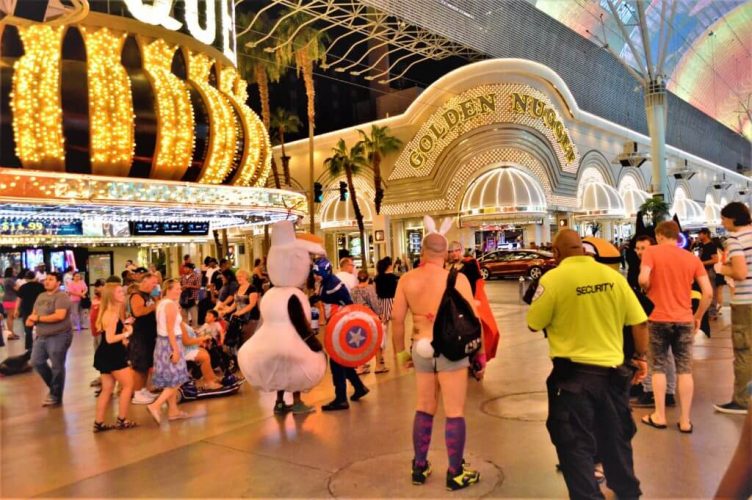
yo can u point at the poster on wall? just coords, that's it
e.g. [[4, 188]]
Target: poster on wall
[[100, 266]]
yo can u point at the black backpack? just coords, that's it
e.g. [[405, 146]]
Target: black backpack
[[456, 329]]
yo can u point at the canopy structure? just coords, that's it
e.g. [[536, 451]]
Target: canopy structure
[[599, 201], [689, 212], [505, 194], [339, 214], [633, 200]]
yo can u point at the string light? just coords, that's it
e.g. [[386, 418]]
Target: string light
[[111, 119], [222, 124], [256, 162], [35, 99], [175, 138]]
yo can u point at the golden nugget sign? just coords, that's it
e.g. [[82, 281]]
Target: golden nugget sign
[[506, 103], [537, 108]]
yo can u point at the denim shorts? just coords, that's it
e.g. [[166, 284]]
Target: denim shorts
[[678, 336], [436, 365]]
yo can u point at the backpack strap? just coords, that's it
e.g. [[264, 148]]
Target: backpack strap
[[452, 278]]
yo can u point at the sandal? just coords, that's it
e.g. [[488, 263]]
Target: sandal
[[124, 423], [13, 336], [102, 427], [382, 369]]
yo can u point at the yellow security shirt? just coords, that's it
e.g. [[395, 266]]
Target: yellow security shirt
[[584, 305]]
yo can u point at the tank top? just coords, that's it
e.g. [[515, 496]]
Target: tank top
[[242, 300], [162, 319], [145, 325]]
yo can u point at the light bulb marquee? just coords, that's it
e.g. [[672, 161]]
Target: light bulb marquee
[[35, 100]]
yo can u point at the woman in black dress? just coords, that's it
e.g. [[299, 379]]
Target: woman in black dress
[[111, 358]]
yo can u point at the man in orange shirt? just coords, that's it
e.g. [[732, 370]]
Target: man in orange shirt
[[667, 273]]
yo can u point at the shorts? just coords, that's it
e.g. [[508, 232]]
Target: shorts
[[9, 305], [436, 365], [141, 352], [191, 355], [680, 337]]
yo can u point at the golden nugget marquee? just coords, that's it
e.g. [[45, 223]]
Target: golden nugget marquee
[[121, 107], [503, 148]]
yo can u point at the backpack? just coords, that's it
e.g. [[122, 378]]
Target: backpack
[[456, 329]]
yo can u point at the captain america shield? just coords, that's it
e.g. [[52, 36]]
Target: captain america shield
[[353, 335]]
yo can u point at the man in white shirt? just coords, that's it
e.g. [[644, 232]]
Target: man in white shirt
[[346, 273]]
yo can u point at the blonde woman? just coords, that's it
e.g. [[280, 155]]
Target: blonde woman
[[170, 371], [245, 305], [111, 358]]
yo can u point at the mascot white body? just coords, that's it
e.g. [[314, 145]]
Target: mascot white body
[[277, 358]]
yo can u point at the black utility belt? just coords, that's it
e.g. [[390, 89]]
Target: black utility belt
[[568, 364]]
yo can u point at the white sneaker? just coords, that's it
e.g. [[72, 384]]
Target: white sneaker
[[143, 397]]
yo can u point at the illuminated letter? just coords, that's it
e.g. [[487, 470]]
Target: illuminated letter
[[426, 143], [156, 14], [519, 103], [451, 117], [416, 159], [538, 108], [549, 118], [468, 109], [487, 103], [437, 132], [228, 30], [203, 35], [559, 131]]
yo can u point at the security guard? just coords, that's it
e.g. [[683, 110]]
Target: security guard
[[583, 305]]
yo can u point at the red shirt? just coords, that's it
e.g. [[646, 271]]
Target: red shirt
[[672, 272]]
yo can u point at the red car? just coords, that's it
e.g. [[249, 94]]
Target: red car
[[515, 263]]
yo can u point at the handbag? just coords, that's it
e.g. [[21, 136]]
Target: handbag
[[85, 302], [456, 329]]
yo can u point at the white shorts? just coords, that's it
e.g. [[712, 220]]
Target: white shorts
[[191, 355]]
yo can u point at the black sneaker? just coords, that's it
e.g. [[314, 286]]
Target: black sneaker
[[420, 474], [670, 400], [731, 408], [644, 401], [282, 408], [462, 480]]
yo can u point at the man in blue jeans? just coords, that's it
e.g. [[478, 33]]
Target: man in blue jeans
[[51, 317]]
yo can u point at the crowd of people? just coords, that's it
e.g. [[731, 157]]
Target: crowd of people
[[611, 337]]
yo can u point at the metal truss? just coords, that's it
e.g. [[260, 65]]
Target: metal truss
[[371, 28]]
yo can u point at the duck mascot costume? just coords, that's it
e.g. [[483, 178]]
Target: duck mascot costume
[[284, 354]]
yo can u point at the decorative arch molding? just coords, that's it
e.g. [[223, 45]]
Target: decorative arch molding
[[595, 159], [634, 174], [684, 186]]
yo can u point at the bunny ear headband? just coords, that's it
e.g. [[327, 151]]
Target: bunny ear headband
[[430, 225]]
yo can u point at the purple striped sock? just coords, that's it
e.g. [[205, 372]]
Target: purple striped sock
[[422, 427], [454, 434]]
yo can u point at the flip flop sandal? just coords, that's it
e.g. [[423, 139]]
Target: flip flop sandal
[[154, 414], [102, 427], [123, 424], [648, 420], [685, 431], [184, 416]]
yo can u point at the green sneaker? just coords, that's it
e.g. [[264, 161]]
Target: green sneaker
[[281, 408], [463, 479], [420, 474], [302, 409]]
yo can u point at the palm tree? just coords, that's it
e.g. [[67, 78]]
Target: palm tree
[[307, 48], [378, 145], [350, 161], [260, 66], [283, 121]]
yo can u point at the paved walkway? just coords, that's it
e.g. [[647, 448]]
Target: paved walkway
[[240, 449]]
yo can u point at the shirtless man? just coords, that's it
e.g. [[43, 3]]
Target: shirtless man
[[420, 291]]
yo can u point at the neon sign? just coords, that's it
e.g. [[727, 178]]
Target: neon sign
[[210, 22]]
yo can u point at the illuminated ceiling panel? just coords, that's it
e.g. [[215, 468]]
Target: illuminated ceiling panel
[[712, 72]]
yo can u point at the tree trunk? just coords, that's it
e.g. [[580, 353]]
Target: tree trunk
[[358, 217], [307, 66], [286, 169], [263, 86], [377, 181], [217, 243], [275, 172]]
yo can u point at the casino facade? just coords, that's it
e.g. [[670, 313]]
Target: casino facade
[[502, 147]]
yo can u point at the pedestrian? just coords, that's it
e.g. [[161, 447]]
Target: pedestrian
[[141, 345], [51, 317], [386, 287], [420, 291], [76, 290], [10, 295], [347, 273], [583, 306], [111, 359], [27, 296], [190, 283], [365, 294], [708, 253], [736, 219], [667, 273], [170, 370]]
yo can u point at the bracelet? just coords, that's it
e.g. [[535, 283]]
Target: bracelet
[[640, 357], [403, 357]]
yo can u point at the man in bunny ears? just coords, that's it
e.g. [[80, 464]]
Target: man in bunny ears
[[420, 291]]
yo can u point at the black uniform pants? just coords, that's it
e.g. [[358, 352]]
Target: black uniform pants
[[589, 414], [339, 376]]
